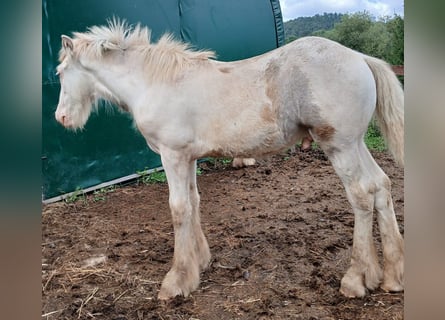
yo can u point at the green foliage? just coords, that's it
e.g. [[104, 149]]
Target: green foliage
[[352, 30], [77, 195], [98, 195], [359, 32], [215, 161], [101, 194], [396, 29], [373, 138], [305, 26], [154, 177]]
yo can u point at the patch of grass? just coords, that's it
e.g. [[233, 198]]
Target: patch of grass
[[374, 139], [98, 195], [101, 194], [226, 161], [215, 161], [156, 176], [77, 195]]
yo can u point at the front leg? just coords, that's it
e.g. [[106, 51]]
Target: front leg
[[201, 246], [183, 276]]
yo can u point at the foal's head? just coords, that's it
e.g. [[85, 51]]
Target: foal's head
[[162, 62], [77, 93]]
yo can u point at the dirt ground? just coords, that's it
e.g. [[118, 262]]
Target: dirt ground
[[280, 234]]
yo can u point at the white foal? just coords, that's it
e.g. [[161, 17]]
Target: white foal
[[189, 106]]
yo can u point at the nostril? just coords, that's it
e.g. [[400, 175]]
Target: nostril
[[60, 117]]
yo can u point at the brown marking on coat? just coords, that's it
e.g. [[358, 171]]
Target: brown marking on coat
[[267, 114], [325, 132], [225, 69], [271, 87], [216, 153]]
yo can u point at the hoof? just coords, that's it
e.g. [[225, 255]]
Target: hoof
[[178, 283], [205, 262], [392, 286], [352, 286], [393, 276], [169, 293], [373, 277], [357, 281], [243, 162]]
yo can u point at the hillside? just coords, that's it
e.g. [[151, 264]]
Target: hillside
[[305, 26]]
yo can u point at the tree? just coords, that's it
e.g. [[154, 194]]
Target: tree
[[305, 26], [377, 41], [360, 31], [352, 30], [396, 29]]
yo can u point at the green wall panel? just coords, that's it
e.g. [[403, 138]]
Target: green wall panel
[[109, 147], [234, 29]]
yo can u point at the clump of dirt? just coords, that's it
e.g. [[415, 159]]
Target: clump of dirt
[[280, 234]]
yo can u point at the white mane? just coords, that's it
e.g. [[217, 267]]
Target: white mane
[[165, 58]]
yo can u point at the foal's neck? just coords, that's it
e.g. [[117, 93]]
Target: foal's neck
[[119, 82]]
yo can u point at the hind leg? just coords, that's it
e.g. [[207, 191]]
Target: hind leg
[[392, 241], [351, 164]]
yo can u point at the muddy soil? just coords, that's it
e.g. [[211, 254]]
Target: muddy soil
[[280, 234]]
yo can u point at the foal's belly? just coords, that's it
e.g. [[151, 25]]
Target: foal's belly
[[256, 142]]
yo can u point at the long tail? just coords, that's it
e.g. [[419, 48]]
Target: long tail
[[390, 107]]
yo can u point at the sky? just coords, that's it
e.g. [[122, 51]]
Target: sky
[[293, 9]]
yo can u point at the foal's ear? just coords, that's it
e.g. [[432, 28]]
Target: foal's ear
[[67, 43]]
